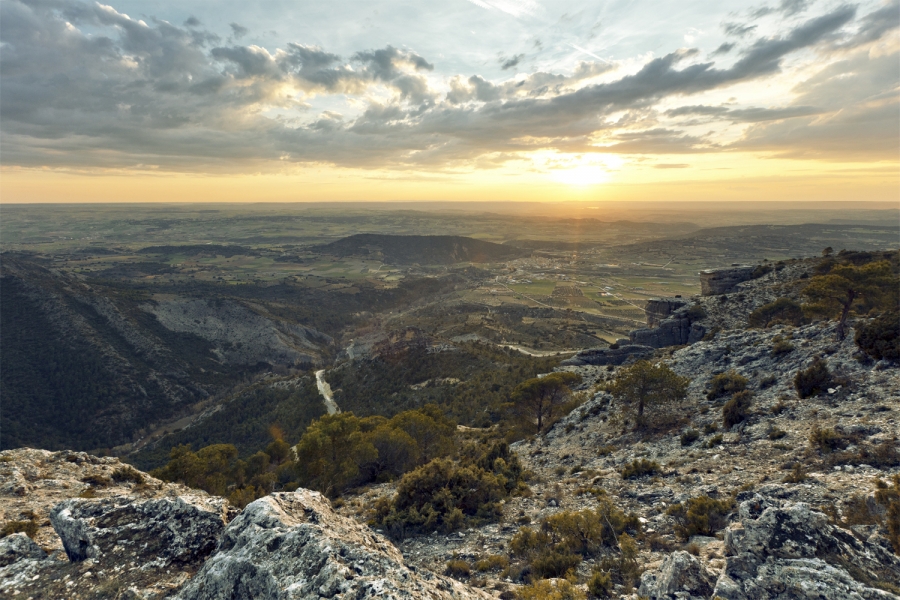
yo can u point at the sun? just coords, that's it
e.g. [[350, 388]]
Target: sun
[[582, 175]]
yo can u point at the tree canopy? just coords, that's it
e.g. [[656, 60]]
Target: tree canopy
[[645, 384], [537, 399], [848, 286]]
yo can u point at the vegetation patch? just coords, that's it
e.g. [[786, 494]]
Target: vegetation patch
[[725, 384], [783, 311], [700, 516], [813, 380], [639, 468], [737, 410]]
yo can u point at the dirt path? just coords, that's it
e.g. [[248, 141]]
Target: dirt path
[[325, 390]]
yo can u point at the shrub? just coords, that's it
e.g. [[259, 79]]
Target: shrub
[[761, 270], [494, 562], [827, 440], [96, 480], [700, 516], [639, 467], [776, 434], [29, 528], [127, 473], [782, 311], [881, 456], [600, 584], [444, 496], [554, 564], [767, 382], [880, 338], [457, 568], [715, 440], [782, 347], [726, 383], [889, 497], [695, 312], [561, 589], [797, 475], [737, 409], [813, 380], [564, 538], [689, 437]]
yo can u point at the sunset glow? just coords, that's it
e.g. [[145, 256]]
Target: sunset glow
[[483, 100]]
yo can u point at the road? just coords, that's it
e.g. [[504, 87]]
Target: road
[[325, 390]]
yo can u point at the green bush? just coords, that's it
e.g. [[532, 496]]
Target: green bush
[[880, 338], [782, 311], [726, 383], [639, 468], [565, 538], [700, 516], [494, 562], [444, 496], [600, 584], [737, 409], [813, 380], [889, 497], [689, 437], [696, 313], [560, 589], [96, 480]]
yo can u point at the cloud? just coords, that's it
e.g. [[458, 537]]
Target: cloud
[[725, 48], [744, 115], [516, 8], [738, 29], [671, 166], [509, 63], [192, 21], [238, 31], [135, 94]]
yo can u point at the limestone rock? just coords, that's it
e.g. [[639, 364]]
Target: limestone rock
[[180, 531], [792, 551], [680, 573], [722, 281], [19, 546], [658, 309], [293, 546], [608, 356]]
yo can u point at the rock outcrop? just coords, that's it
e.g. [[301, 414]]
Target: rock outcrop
[[158, 533], [658, 309], [293, 546], [722, 281], [608, 356], [792, 551], [680, 573], [19, 546]]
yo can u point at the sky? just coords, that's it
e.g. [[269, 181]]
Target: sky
[[709, 100]]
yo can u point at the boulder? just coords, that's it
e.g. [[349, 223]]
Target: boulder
[[608, 356], [19, 546], [791, 551], [681, 574], [722, 281], [156, 533], [293, 546]]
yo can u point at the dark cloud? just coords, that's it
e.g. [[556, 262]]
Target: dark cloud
[[238, 31], [738, 29], [509, 63], [192, 21], [744, 115], [874, 25], [725, 48], [785, 7]]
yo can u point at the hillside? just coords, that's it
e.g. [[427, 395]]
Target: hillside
[[420, 249]]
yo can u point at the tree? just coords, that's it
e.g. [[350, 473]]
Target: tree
[[847, 286], [645, 384], [537, 398]]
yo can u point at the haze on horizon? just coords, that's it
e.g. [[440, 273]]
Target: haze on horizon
[[485, 100]]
